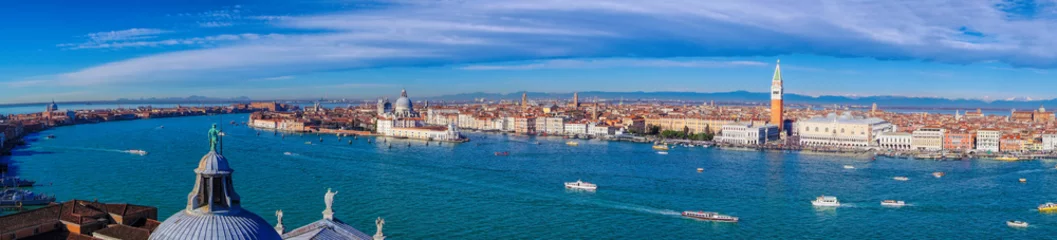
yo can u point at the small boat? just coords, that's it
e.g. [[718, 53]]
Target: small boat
[[578, 184], [136, 151], [938, 174], [662, 153], [1023, 180], [309, 142], [901, 178], [700, 169], [849, 167], [1007, 158], [288, 153], [15, 182], [893, 203], [660, 147], [709, 216], [572, 143], [50, 136], [825, 201], [502, 153], [1048, 207], [1017, 224], [19, 197]]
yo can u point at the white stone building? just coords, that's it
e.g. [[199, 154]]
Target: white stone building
[[554, 125], [746, 134], [928, 139], [575, 128], [894, 140], [988, 140], [841, 131], [1049, 141]]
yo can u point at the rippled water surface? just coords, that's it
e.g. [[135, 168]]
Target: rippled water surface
[[464, 191]]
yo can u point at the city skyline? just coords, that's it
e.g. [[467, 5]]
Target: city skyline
[[267, 50]]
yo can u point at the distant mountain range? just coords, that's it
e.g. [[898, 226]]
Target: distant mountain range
[[763, 97]]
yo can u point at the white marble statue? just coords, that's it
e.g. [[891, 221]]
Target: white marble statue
[[329, 198], [379, 222]]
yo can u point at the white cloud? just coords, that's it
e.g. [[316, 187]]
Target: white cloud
[[613, 63], [473, 31], [125, 35]]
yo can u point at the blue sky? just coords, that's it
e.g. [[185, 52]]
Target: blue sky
[[76, 50]]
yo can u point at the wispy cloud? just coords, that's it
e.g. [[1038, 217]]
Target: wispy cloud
[[413, 33], [125, 35], [613, 63], [170, 42]]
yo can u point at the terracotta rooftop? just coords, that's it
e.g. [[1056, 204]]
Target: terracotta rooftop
[[30, 218]]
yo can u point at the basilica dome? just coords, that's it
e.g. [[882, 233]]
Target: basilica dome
[[403, 104]]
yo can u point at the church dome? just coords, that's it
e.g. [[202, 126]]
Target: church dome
[[234, 224], [403, 104], [214, 210]]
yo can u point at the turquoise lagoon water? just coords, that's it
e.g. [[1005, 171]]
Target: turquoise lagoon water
[[464, 191]]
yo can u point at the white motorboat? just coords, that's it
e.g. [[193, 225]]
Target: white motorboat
[[136, 151], [901, 178], [893, 203], [826, 201], [1017, 224], [579, 184], [849, 167], [662, 153]]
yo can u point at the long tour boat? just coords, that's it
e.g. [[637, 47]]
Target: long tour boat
[[709, 216], [893, 203], [579, 184]]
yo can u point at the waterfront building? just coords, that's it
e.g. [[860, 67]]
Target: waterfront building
[[554, 125], [928, 139], [974, 115], [988, 140], [1049, 141], [748, 134], [80, 219], [575, 128], [841, 131], [695, 124], [776, 98], [541, 125], [525, 125], [962, 141], [894, 140], [601, 130], [1011, 143], [404, 121]]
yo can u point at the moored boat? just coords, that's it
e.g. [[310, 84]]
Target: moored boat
[[660, 147], [16, 182], [572, 143], [19, 197], [1007, 158], [579, 184], [1048, 207], [709, 216], [826, 201], [901, 178], [893, 203], [1017, 224]]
